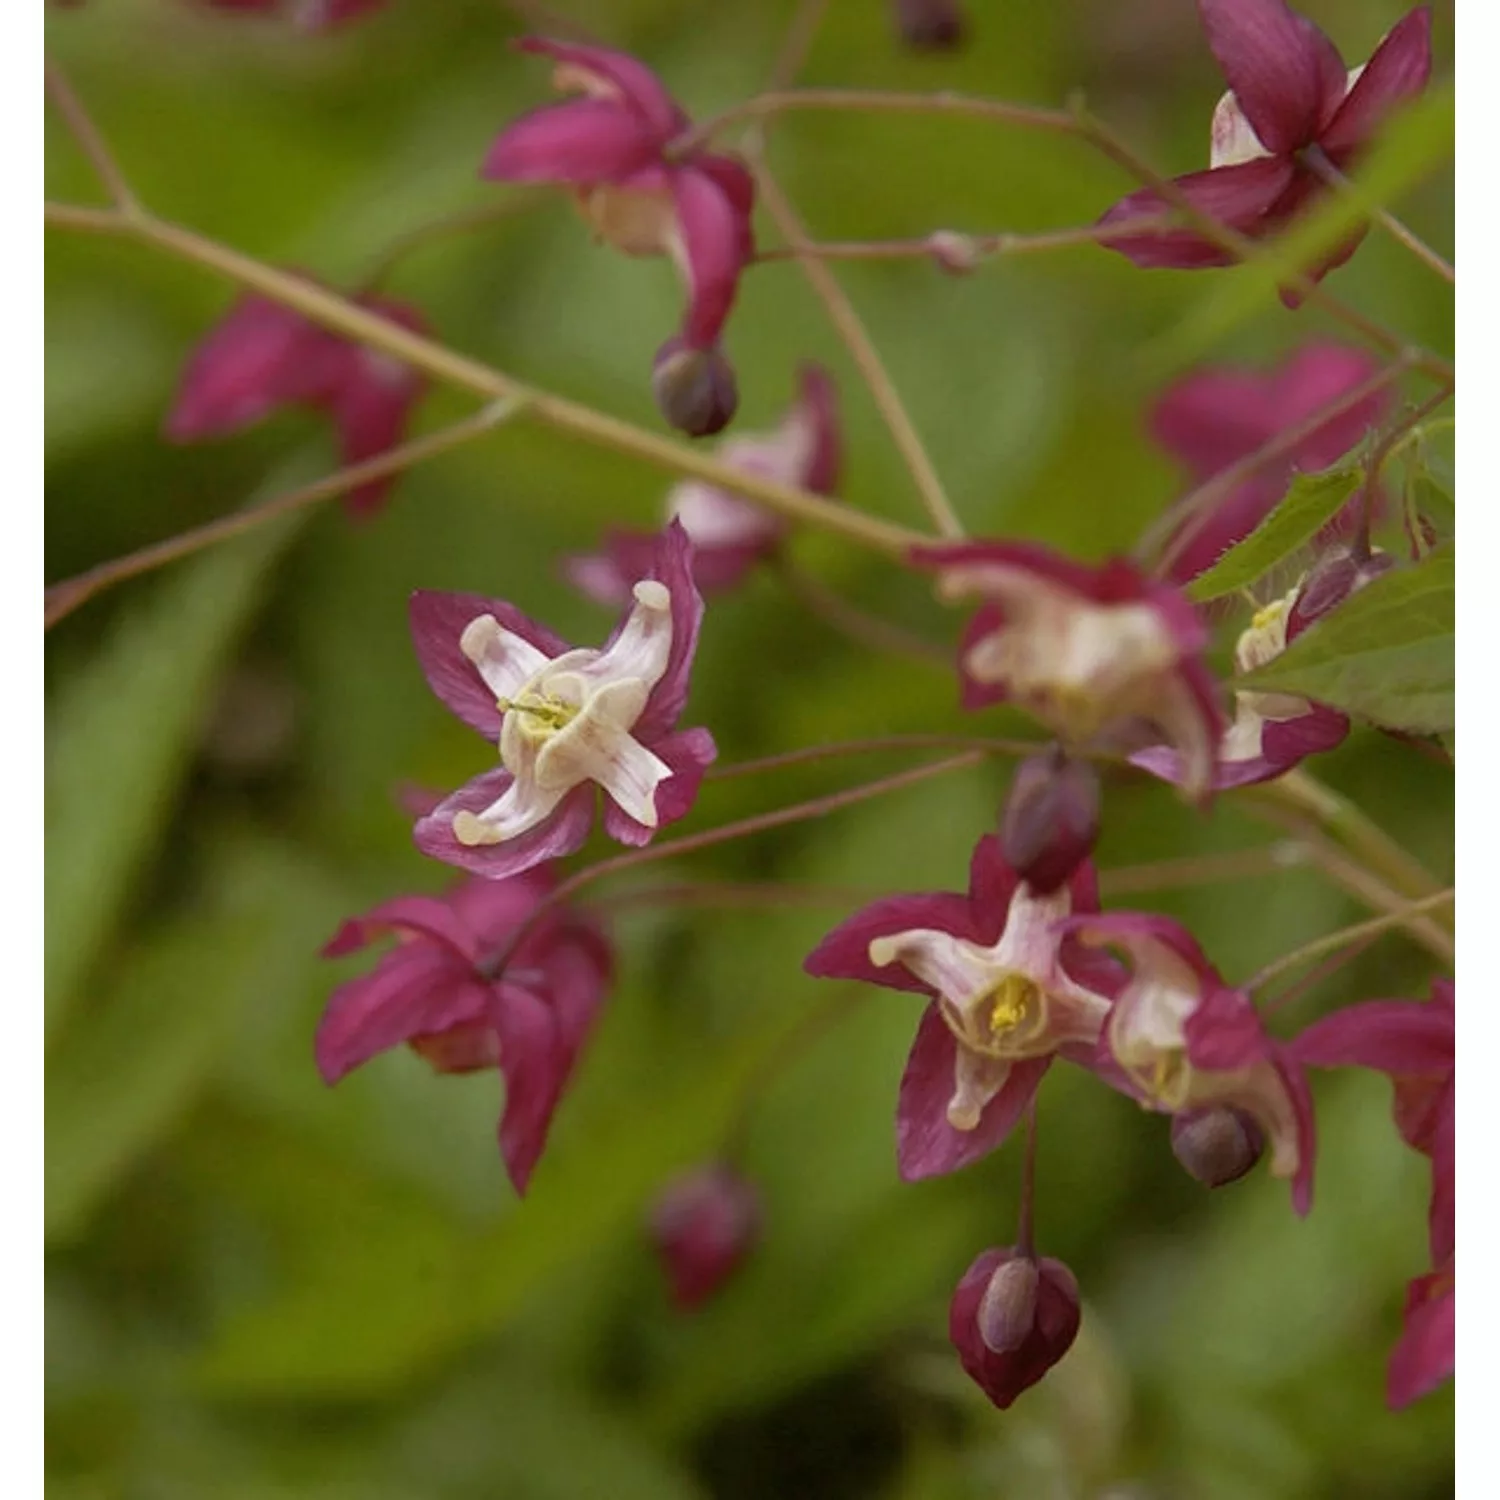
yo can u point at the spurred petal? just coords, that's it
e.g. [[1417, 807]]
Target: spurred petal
[[438, 621], [845, 952], [672, 566], [1272, 63], [688, 754], [1241, 197], [583, 141], [609, 74], [1398, 70], [716, 243], [1146, 938], [927, 1145], [562, 832], [1393, 1036]]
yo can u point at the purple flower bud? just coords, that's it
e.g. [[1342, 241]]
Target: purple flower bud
[[1051, 819], [1030, 1306], [1217, 1144], [695, 389], [703, 1226], [1338, 573], [930, 25]]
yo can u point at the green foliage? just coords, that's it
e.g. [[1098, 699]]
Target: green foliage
[[1386, 654], [1309, 505]]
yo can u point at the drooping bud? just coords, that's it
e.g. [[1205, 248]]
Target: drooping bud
[[1338, 573], [695, 389], [1217, 1144], [703, 1225], [1027, 1305], [1051, 819], [930, 25]]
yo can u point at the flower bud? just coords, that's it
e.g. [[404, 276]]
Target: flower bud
[[930, 25], [703, 1225], [1027, 1305], [955, 253], [1218, 1144], [1051, 819], [695, 389], [1338, 573]]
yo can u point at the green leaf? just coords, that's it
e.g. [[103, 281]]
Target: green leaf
[[115, 1085], [1312, 501], [121, 736], [1386, 654]]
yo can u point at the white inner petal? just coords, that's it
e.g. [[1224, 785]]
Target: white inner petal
[[976, 1080], [521, 807], [1232, 138], [960, 971], [504, 660]]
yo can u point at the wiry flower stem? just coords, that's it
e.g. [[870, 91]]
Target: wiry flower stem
[[842, 748], [64, 597], [91, 143], [868, 630]]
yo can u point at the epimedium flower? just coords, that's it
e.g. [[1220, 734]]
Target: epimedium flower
[[703, 1225], [1412, 1041], [1100, 654], [1183, 1040], [729, 535], [1007, 993], [1213, 418], [1012, 1318], [1289, 94], [615, 148], [465, 988], [265, 357], [1272, 732], [566, 720]]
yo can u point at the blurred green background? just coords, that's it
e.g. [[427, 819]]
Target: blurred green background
[[259, 1287]]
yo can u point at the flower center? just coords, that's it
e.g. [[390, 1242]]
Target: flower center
[[541, 714], [1167, 1077], [1006, 1022]]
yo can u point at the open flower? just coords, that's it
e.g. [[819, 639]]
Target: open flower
[[1272, 732], [1007, 994], [1099, 655], [611, 147], [1413, 1042], [703, 1225], [1212, 419], [1289, 94], [566, 720], [729, 535], [265, 356], [1183, 1039], [442, 991], [1013, 1316]]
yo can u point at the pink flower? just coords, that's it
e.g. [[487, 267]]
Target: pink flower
[[1289, 93], [1214, 418], [566, 720], [729, 535], [1272, 732], [613, 148], [437, 991], [1007, 994], [1011, 1319], [305, 15], [1183, 1040], [1099, 655], [1423, 1357], [703, 1225], [264, 357]]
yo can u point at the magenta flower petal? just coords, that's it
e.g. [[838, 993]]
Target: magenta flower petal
[[1392, 1036], [672, 565], [420, 914], [1397, 71], [716, 243], [926, 1144], [564, 831], [1225, 1032], [535, 1071], [613, 75], [1423, 1357], [1213, 418], [1138, 933], [583, 141], [703, 1225], [372, 414], [1240, 197], [414, 990], [1273, 65], [438, 621], [845, 952], [1442, 1210]]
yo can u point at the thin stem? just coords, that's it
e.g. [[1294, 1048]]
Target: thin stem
[[64, 597], [941, 245], [330, 310], [797, 43], [868, 630], [81, 125], [1184, 520], [1391, 443], [873, 101], [1319, 976], [864, 354], [1108, 144], [808, 754], [1345, 935], [1201, 869], [1321, 166]]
